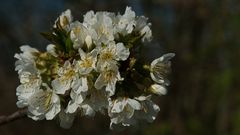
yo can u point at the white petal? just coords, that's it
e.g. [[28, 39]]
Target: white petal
[[167, 57], [157, 80], [118, 105], [87, 110], [122, 52], [52, 50], [72, 107], [100, 82], [55, 109], [129, 13], [163, 58], [134, 104], [111, 86], [90, 18], [147, 32], [82, 53], [60, 87], [80, 85], [143, 98], [115, 120], [36, 117], [158, 89]]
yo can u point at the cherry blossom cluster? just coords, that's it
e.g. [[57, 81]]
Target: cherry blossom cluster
[[93, 66]]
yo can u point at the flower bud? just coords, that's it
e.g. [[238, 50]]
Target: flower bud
[[88, 41]]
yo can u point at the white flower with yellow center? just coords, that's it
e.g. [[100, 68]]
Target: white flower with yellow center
[[28, 74], [121, 110], [112, 52], [80, 84], [66, 75], [108, 77], [87, 61], [160, 68], [44, 104]]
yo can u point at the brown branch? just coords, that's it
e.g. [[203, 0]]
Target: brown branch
[[14, 116]]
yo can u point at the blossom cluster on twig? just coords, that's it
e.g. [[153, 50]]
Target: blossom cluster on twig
[[93, 66]]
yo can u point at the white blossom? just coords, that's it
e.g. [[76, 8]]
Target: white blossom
[[108, 77], [121, 110], [144, 28], [26, 59], [28, 74], [112, 52], [125, 111], [100, 25], [126, 22], [78, 94], [146, 32], [160, 68], [66, 75], [148, 111], [80, 85], [90, 18], [44, 104], [30, 83], [87, 61]]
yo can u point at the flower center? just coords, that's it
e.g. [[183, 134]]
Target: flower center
[[107, 55], [68, 75], [161, 70], [87, 62], [108, 75]]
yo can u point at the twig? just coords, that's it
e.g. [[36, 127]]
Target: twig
[[14, 116]]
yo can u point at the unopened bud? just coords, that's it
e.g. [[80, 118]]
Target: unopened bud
[[88, 41]]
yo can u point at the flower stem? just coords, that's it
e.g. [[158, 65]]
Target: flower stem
[[14, 116]]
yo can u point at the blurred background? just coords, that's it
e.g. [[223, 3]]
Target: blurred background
[[204, 96]]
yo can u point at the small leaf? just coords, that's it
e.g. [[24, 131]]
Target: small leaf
[[68, 45]]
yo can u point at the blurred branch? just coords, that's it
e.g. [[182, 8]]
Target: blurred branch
[[14, 116]]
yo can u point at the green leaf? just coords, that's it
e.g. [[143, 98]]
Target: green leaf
[[49, 36], [68, 45]]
